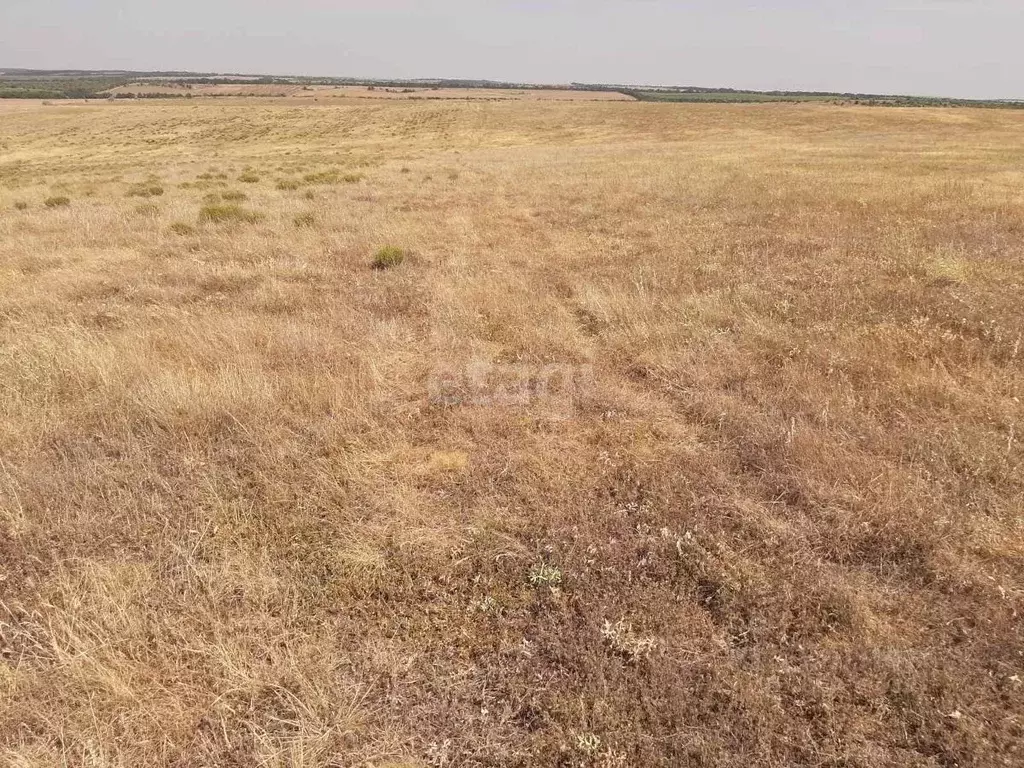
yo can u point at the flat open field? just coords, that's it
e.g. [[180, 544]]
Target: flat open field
[[365, 92], [684, 435]]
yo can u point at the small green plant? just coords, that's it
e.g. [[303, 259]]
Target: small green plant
[[545, 575], [249, 178], [305, 220], [181, 228], [148, 189], [588, 743], [388, 257], [234, 196], [21, 206], [621, 638], [488, 605], [217, 214], [57, 201]]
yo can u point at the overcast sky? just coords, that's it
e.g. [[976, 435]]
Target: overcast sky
[[967, 48]]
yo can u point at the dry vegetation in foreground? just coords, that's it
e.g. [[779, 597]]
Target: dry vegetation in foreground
[[781, 526]]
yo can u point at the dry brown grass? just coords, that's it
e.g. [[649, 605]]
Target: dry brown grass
[[244, 520]]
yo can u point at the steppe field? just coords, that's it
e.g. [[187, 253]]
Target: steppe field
[[514, 434], [316, 92]]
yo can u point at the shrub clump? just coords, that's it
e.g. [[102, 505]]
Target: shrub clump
[[216, 214], [234, 196], [323, 177], [57, 201], [249, 178], [388, 257], [288, 185], [21, 206], [305, 220], [147, 210], [148, 189], [181, 228]]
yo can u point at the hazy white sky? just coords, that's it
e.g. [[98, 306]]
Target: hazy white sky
[[968, 48]]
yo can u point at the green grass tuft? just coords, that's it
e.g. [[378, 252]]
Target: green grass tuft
[[322, 177], [218, 214], [57, 201], [148, 189], [388, 257]]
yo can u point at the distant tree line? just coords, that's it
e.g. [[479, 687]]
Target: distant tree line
[[77, 84]]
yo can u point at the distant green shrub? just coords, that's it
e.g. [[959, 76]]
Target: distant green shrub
[[217, 214], [305, 220], [57, 201], [249, 178], [288, 185], [21, 206], [352, 178], [234, 196], [388, 257]]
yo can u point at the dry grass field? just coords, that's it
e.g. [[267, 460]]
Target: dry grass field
[[681, 435]]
